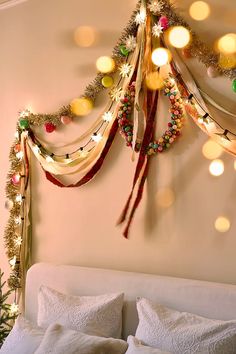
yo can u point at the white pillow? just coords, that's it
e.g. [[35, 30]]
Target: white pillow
[[136, 347], [95, 315], [59, 340], [24, 338], [182, 332]]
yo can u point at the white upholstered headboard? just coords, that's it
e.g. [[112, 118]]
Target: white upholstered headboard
[[207, 299]]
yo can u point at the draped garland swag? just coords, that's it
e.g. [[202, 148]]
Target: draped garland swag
[[131, 110]]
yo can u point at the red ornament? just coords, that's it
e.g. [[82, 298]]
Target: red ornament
[[164, 22], [17, 148], [49, 127]]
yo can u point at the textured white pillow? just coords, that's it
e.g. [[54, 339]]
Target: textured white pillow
[[182, 332], [24, 338], [136, 347], [59, 340], [95, 315]]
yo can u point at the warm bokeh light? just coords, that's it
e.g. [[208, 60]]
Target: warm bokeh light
[[216, 167], [161, 56], [81, 106], [199, 10], [154, 81], [227, 61], [179, 36], [227, 44], [105, 64], [222, 224], [84, 36], [211, 150], [165, 197]]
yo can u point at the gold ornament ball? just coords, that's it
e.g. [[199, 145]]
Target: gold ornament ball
[[81, 106], [107, 81]]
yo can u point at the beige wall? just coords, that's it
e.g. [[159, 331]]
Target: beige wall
[[41, 67]]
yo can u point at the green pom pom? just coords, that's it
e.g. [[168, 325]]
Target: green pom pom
[[23, 123], [124, 51], [234, 85]]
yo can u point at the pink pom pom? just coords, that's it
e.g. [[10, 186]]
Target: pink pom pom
[[66, 120], [15, 179], [164, 22], [49, 127]]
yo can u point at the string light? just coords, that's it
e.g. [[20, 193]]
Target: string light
[[157, 30], [154, 81], [116, 94], [20, 155], [36, 149], [19, 198], [24, 114], [16, 135], [107, 116], [224, 135], [216, 167], [18, 220], [96, 137], [18, 241], [49, 159], [12, 262]]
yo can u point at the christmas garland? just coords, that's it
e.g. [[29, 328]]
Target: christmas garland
[[145, 31]]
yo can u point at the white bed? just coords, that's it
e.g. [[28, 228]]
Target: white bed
[[212, 300]]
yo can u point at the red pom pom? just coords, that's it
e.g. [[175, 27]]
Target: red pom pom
[[49, 127], [164, 22]]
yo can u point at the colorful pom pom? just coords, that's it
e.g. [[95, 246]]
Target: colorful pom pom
[[164, 22], [49, 127]]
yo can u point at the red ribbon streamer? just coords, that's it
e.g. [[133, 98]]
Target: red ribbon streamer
[[151, 105]]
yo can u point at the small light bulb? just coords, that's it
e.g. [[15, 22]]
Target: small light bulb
[[12, 262], [18, 241], [17, 135], [49, 158], [97, 137], [19, 198], [18, 220], [107, 116], [36, 149], [20, 155]]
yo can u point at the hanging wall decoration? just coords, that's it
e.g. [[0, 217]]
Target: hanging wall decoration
[[145, 66]]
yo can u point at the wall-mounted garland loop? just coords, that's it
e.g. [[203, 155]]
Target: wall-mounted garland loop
[[131, 109]]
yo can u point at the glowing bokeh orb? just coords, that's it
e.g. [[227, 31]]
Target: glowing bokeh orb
[[216, 167], [81, 106], [84, 36], [227, 61], [199, 10], [161, 56], [154, 81], [211, 150], [165, 197], [179, 36], [227, 43], [105, 64], [222, 224]]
